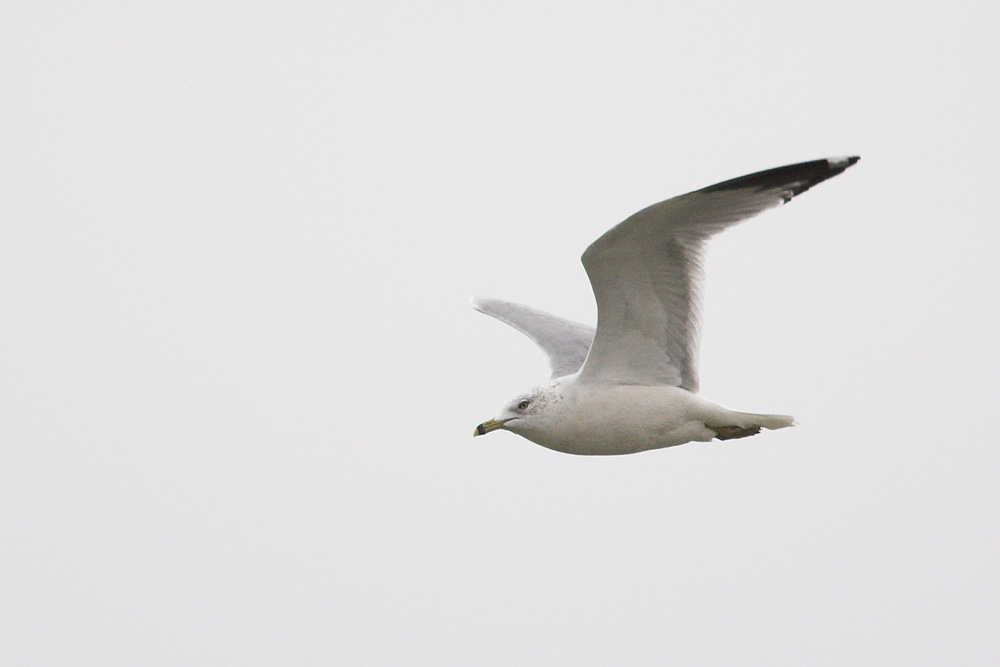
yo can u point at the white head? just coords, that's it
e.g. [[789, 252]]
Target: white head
[[527, 413]]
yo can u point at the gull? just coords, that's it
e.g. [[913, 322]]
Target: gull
[[631, 385]]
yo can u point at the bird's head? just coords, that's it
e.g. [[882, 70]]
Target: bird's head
[[523, 414]]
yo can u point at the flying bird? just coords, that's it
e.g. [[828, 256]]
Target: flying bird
[[632, 384]]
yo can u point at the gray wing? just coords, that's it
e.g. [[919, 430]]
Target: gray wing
[[646, 273], [566, 343]]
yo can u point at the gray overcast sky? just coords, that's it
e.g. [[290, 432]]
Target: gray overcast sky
[[240, 374]]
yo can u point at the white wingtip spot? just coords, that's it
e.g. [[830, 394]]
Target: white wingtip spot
[[841, 161]]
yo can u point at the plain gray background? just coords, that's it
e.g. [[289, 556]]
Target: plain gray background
[[240, 375]]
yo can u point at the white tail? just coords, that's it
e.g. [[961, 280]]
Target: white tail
[[772, 421]]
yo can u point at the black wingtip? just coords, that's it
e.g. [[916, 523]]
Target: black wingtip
[[839, 164], [790, 180]]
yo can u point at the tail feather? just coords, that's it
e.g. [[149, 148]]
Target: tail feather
[[775, 421], [747, 424]]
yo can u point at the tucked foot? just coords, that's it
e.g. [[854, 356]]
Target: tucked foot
[[733, 432]]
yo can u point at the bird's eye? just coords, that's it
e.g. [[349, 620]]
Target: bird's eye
[[523, 405]]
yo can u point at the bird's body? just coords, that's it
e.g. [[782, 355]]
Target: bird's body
[[631, 385], [582, 418]]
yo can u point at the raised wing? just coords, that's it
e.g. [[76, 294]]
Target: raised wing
[[566, 343], [646, 273]]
